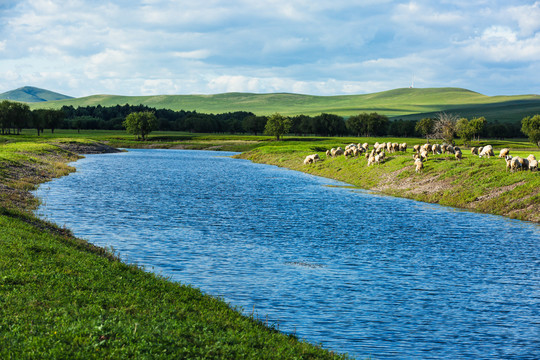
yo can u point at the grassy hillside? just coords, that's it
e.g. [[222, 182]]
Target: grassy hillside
[[32, 94], [393, 103]]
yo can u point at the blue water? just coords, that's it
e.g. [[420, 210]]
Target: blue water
[[360, 273]]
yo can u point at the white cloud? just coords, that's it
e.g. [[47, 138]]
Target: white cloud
[[317, 47]]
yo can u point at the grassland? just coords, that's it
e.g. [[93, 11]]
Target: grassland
[[475, 184], [398, 103], [61, 297]]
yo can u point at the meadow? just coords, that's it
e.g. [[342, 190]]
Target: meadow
[[407, 103], [61, 295]]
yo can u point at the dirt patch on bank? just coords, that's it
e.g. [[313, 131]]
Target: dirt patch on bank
[[412, 185], [88, 148]]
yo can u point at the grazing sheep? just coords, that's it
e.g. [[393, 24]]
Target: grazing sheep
[[531, 157], [423, 154], [436, 149], [508, 159], [365, 146], [457, 148], [416, 148], [336, 152], [524, 164], [310, 159], [533, 165], [450, 149], [474, 151], [458, 155], [504, 152], [515, 164], [419, 165], [403, 147], [328, 153], [486, 151]]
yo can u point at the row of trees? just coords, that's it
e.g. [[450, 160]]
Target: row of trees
[[447, 126], [15, 116]]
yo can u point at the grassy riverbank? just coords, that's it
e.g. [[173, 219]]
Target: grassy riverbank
[[476, 184], [61, 297]]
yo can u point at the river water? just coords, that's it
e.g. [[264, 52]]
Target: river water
[[357, 272]]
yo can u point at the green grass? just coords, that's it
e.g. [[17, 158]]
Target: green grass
[[393, 103], [476, 184], [61, 297]]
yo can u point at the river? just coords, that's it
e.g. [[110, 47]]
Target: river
[[355, 271]]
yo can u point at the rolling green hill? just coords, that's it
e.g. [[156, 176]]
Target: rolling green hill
[[32, 94], [398, 103]]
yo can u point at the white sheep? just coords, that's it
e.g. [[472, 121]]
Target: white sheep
[[486, 151], [310, 159], [419, 164], [508, 159], [504, 152], [458, 155]]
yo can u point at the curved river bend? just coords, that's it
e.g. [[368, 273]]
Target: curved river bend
[[357, 272]]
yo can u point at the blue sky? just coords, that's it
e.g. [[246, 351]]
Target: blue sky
[[149, 47]]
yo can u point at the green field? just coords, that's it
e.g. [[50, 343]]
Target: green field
[[399, 103], [63, 297]]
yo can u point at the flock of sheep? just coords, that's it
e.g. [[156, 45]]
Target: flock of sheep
[[421, 153]]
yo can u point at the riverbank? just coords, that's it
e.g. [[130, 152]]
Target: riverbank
[[62, 296], [474, 184]]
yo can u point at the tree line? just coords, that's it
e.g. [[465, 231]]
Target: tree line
[[15, 116]]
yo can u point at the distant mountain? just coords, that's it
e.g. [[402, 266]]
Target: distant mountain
[[32, 94]]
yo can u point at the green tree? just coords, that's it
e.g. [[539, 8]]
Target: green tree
[[465, 130], [13, 115], [277, 125], [39, 120], [530, 126], [377, 124], [477, 125], [254, 124], [357, 124], [140, 123], [425, 127], [54, 119]]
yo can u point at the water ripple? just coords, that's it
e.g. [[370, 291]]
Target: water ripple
[[358, 272]]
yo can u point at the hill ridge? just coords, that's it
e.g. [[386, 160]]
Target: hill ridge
[[410, 103], [32, 94]]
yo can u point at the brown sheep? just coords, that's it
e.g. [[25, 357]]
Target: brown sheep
[[416, 148], [474, 151]]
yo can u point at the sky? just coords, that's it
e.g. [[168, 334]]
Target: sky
[[339, 47]]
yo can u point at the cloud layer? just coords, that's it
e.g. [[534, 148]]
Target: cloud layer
[[81, 47]]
